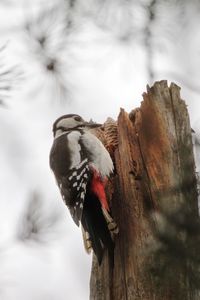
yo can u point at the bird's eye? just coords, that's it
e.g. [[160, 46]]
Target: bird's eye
[[77, 118]]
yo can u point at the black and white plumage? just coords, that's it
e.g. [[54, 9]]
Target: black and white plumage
[[81, 165]]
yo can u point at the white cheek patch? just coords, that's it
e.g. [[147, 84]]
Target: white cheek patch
[[67, 123]]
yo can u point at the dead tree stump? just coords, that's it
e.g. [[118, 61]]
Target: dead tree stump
[[154, 163]]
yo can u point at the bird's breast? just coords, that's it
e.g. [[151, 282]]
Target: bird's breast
[[99, 157]]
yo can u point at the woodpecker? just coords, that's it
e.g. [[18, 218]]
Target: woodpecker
[[82, 165]]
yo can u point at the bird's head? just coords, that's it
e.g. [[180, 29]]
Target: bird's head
[[71, 122]]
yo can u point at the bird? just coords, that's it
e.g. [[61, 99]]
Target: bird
[[82, 165]]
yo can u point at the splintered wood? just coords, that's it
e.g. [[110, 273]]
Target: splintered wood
[[152, 152]]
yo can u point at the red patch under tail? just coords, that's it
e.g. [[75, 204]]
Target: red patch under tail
[[98, 188]]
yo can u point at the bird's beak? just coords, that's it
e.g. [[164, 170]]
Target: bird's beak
[[91, 124]]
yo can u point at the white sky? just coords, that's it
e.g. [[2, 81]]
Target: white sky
[[102, 75]]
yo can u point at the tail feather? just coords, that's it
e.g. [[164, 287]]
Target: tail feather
[[86, 241], [95, 223]]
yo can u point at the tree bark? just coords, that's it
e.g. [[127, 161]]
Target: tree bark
[[154, 163]]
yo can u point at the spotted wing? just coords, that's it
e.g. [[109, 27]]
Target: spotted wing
[[72, 182], [73, 188]]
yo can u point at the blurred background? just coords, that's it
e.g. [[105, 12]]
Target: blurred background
[[71, 56]]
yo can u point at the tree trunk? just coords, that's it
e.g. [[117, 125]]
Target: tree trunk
[[154, 162]]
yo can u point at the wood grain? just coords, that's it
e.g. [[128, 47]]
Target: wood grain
[[154, 163]]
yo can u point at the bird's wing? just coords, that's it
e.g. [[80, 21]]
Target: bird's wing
[[77, 181], [72, 182]]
